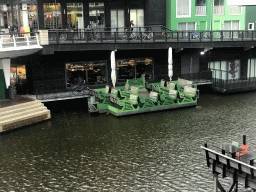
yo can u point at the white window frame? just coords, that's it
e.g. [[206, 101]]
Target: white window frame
[[252, 26], [185, 16]]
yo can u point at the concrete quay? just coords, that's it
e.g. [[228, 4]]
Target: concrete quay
[[21, 111]]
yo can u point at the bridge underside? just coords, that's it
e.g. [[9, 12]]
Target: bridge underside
[[18, 51], [49, 49]]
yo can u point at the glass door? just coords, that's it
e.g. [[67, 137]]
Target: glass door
[[117, 21], [137, 15]]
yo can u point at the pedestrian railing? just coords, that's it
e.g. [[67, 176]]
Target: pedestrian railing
[[146, 35], [18, 40], [58, 93]]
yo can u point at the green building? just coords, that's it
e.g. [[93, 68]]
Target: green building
[[204, 15]]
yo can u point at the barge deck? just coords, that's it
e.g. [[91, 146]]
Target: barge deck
[[138, 96]]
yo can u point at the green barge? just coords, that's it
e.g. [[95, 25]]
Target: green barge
[[138, 96]]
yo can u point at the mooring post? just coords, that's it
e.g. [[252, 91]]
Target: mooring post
[[215, 179], [244, 139]]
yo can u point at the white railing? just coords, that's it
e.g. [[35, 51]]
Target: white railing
[[219, 10], [200, 11], [19, 40]]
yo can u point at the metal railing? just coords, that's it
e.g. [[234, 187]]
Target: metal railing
[[57, 93], [234, 85], [16, 40], [140, 35]]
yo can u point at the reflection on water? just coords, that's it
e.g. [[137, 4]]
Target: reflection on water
[[148, 152]]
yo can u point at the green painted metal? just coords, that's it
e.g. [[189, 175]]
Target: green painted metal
[[179, 94], [2, 85]]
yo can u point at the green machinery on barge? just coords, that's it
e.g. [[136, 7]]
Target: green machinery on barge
[[138, 96]]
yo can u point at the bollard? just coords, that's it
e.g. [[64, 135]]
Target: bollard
[[244, 139]]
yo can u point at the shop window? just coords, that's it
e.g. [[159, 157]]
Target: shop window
[[5, 16], [52, 15], [75, 18], [134, 68], [18, 78], [93, 72], [28, 17], [97, 15]]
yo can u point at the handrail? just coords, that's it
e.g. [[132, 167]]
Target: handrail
[[161, 35], [227, 157], [15, 40]]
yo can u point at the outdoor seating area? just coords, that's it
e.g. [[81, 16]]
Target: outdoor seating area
[[136, 97]]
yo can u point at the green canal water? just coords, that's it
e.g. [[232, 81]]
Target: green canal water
[[148, 152]]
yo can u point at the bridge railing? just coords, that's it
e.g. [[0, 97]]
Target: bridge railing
[[146, 35], [16, 40]]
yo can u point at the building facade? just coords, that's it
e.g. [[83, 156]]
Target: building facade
[[204, 15]]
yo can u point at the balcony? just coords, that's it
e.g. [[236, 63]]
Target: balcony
[[200, 11], [219, 10], [18, 44]]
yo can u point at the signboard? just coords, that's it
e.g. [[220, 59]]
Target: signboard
[[241, 2]]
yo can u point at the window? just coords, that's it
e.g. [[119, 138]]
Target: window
[[183, 8], [5, 16], [137, 15], [200, 2], [235, 10], [28, 16], [52, 15], [200, 8], [75, 19], [219, 8], [134, 68], [251, 68], [187, 26], [231, 25], [97, 15], [250, 26], [93, 72], [218, 2]]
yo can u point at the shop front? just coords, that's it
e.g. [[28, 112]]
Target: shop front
[[18, 78], [94, 72], [19, 16], [135, 68]]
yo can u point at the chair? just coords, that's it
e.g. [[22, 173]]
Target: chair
[[126, 94], [128, 104], [182, 83], [165, 90], [169, 98], [188, 95], [151, 101], [239, 154]]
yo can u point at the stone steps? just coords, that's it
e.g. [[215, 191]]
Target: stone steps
[[19, 115]]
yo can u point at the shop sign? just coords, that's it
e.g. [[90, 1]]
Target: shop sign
[[32, 15]]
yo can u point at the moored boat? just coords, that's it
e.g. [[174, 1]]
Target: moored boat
[[138, 96]]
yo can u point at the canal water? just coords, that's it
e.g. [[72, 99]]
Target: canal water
[[148, 152]]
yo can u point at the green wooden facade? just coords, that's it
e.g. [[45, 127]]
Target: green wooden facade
[[205, 16]]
